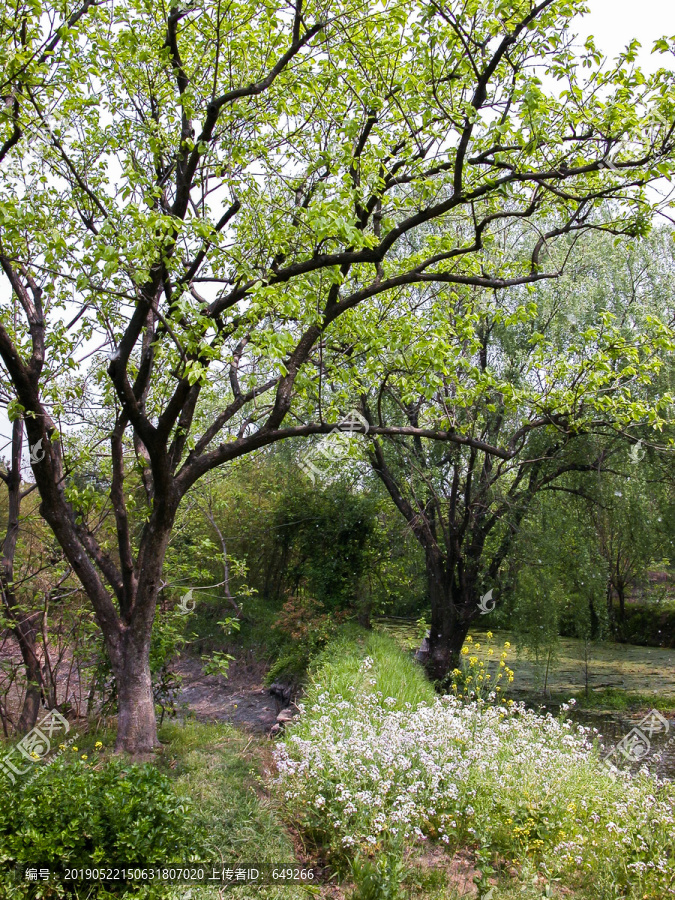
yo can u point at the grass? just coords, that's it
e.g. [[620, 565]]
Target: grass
[[624, 701], [219, 769], [336, 669]]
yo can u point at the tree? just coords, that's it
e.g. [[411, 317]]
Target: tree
[[23, 621], [195, 202], [539, 402]]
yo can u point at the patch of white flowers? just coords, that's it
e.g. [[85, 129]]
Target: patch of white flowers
[[366, 770]]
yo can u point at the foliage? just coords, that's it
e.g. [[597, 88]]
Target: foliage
[[218, 662], [234, 209], [82, 812], [378, 879], [308, 629], [323, 534]]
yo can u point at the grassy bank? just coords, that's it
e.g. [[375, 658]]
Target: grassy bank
[[378, 768]]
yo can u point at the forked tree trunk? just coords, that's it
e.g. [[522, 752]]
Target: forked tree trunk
[[130, 655]]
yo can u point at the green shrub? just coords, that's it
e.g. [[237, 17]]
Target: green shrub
[[73, 814]]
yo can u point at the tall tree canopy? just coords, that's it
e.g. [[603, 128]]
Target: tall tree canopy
[[195, 202], [542, 386]]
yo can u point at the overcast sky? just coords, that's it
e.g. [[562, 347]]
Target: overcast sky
[[613, 23]]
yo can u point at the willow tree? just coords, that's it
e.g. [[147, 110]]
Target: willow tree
[[195, 201]]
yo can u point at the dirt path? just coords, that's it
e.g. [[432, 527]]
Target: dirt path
[[241, 698]]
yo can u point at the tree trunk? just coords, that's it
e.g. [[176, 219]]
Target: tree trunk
[[621, 593], [130, 653], [449, 621], [365, 605], [25, 631], [136, 720], [23, 622]]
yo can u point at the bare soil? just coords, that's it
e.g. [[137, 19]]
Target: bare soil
[[241, 698]]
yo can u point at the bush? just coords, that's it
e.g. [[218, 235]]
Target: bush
[[75, 814], [308, 628]]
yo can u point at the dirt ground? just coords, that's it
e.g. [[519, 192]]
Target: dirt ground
[[241, 698]]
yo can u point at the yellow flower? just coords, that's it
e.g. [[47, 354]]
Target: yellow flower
[[510, 678], [84, 756], [490, 651], [469, 639], [507, 644], [571, 807], [98, 745], [465, 650], [489, 635], [477, 646], [456, 671], [62, 746], [74, 749], [473, 660], [501, 663]]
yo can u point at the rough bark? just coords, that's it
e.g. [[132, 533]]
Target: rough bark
[[136, 721], [23, 621], [451, 616]]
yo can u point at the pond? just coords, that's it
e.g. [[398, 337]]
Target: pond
[[576, 665]]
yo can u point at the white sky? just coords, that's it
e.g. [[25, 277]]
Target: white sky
[[613, 24]]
